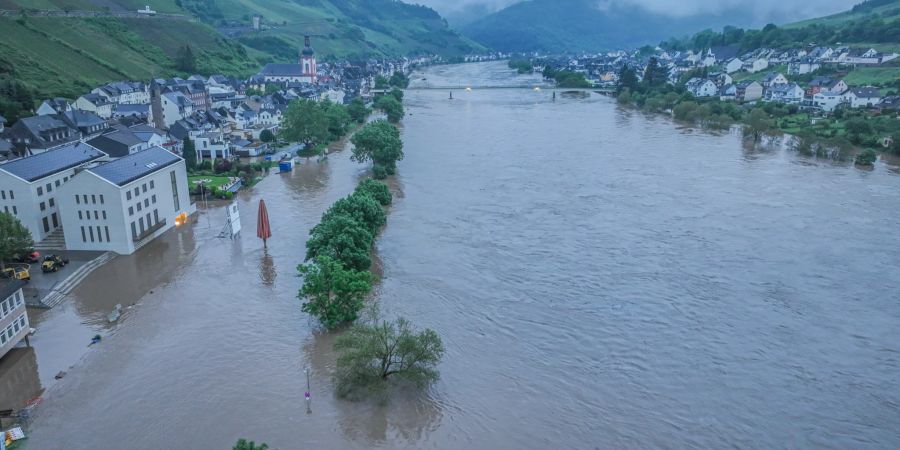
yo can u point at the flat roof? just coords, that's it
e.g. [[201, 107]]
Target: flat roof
[[135, 166], [9, 287], [51, 162]]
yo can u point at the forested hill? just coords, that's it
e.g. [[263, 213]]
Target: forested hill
[[583, 25], [66, 55], [870, 22]]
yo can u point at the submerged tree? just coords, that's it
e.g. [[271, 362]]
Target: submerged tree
[[333, 293], [757, 125], [369, 356], [243, 444], [391, 107], [380, 143]]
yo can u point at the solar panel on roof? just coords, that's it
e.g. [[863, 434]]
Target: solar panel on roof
[[138, 165], [50, 162]]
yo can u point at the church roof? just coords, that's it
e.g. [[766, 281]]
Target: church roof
[[282, 70]]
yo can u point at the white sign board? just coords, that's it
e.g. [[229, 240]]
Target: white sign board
[[234, 219]]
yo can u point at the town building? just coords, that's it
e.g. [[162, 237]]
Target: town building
[[124, 204], [96, 104], [30, 187], [733, 65], [124, 92], [700, 87], [863, 97], [36, 134], [748, 91], [14, 324], [303, 72], [785, 93], [828, 101], [772, 79]]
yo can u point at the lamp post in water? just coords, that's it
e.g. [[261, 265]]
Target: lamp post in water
[[307, 395]]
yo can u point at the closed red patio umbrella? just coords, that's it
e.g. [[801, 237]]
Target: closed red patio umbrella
[[263, 230]]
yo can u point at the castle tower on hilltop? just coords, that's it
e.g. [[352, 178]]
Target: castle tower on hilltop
[[308, 63]]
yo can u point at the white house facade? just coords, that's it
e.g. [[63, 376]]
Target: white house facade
[[122, 205], [14, 324], [30, 187]]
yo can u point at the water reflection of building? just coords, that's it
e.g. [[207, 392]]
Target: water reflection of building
[[19, 382]]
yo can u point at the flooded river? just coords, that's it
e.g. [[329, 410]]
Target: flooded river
[[601, 279]]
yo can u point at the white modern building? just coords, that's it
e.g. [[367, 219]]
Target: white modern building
[[829, 101], [13, 318], [122, 205], [29, 187]]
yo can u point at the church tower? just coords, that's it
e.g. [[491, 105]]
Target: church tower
[[308, 63]]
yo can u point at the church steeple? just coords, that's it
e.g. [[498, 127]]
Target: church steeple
[[308, 61]]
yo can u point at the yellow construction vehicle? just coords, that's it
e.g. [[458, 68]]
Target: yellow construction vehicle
[[17, 272]]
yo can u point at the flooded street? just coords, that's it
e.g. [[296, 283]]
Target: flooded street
[[600, 278]]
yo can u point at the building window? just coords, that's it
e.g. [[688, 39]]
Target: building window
[[46, 225], [101, 199], [3, 195], [12, 194], [152, 185], [79, 215], [148, 221], [144, 188], [133, 231], [91, 233], [77, 199], [65, 179], [93, 199], [175, 191], [146, 202], [40, 190], [131, 210], [137, 191], [139, 206], [83, 235], [106, 229], [155, 216], [128, 195], [104, 214], [49, 187], [57, 183], [141, 222], [52, 203], [15, 211], [99, 236], [84, 198], [96, 215], [153, 198], [43, 206]]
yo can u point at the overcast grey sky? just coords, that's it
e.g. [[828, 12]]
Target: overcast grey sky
[[789, 9]]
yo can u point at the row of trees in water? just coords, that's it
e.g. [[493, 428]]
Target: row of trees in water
[[337, 277]]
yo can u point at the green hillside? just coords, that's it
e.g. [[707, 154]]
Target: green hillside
[[887, 9], [63, 56], [873, 23]]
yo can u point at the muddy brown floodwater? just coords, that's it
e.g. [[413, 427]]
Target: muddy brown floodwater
[[600, 277]]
